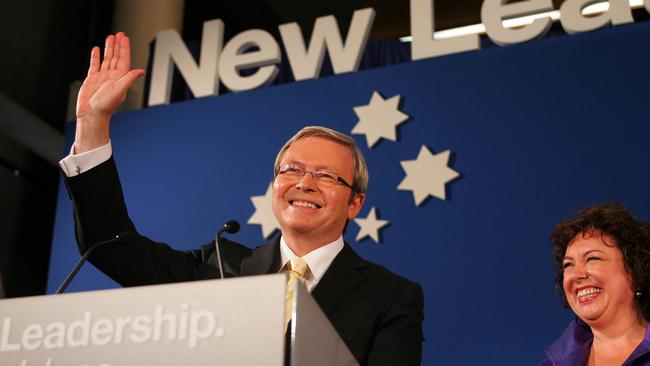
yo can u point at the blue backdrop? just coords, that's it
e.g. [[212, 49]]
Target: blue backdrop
[[537, 130]]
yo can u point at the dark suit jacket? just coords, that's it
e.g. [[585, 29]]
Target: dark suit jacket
[[377, 314]]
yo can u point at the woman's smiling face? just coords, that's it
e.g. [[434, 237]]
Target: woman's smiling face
[[596, 284]]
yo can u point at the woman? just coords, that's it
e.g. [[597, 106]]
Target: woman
[[602, 258]]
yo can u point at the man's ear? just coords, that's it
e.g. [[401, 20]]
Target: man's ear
[[355, 205]]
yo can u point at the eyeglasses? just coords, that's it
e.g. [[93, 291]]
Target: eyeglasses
[[323, 178]]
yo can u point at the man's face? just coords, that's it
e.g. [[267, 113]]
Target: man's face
[[302, 207]]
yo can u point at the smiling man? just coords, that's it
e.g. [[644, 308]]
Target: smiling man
[[312, 199], [319, 185]]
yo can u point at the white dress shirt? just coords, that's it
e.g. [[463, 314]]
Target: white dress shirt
[[318, 260]]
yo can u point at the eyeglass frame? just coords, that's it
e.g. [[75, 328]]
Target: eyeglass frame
[[314, 174]]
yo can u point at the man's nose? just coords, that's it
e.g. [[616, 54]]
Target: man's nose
[[307, 182]]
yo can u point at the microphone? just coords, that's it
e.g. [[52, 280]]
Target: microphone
[[85, 256], [231, 227]]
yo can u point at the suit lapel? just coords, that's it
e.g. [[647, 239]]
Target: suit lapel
[[344, 275], [263, 260]]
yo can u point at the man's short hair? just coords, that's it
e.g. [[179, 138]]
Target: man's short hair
[[360, 179]]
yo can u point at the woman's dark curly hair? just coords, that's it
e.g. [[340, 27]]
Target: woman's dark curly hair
[[632, 237]]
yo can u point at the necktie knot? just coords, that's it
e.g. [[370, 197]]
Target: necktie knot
[[298, 267]]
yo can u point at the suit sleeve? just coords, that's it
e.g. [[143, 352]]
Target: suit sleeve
[[399, 337], [100, 214]]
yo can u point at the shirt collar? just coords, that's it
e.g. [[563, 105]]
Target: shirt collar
[[318, 260], [572, 348]]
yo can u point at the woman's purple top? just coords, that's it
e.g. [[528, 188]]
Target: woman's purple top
[[572, 348]]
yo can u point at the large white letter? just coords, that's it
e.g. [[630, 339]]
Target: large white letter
[[234, 58], [102, 332], [141, 329], [83, 326], [55, 335], [494, 12], [422, 27], [306, 63], [4, 340], [202, 79], [573, 21], [32, 336], [197, 331]]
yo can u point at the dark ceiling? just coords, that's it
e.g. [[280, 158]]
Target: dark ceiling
[[46, 41], [49, 40], [391, 19]]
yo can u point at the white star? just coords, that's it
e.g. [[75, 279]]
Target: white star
[[427, 175], [370, 226], [264, 213], [379, 119]]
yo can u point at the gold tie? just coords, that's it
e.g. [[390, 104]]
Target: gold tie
[[297, 268]]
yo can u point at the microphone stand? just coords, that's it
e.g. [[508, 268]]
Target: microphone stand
[[231, 227], [85, 256]]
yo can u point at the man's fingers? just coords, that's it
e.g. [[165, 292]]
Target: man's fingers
[[108, 52], [116, 50], [94, 61], [124, 60], [124, 83]]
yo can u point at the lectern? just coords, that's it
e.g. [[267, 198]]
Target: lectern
[[237, 321]]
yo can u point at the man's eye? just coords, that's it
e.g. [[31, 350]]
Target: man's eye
[[292, 170], [326, 176], [593, 258]]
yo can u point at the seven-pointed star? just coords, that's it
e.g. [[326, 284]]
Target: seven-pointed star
[[263, 214], [370, 226], [427, 175], [379, 119]]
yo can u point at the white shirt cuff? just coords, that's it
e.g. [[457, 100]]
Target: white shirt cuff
[[73, 165]]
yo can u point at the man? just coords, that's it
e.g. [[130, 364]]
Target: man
[[320, 183]]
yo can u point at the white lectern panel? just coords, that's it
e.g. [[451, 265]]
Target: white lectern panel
[[217, 322]]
